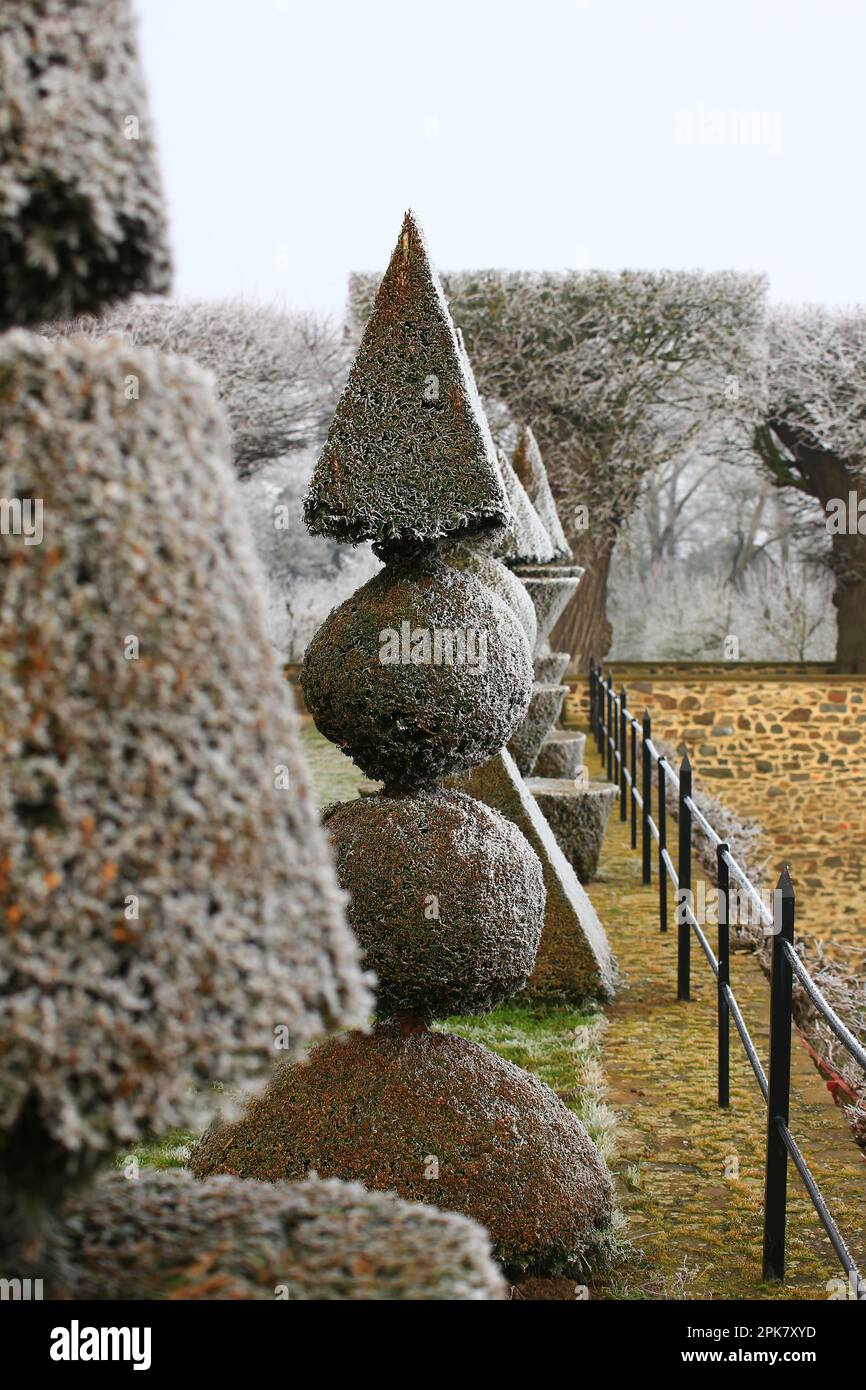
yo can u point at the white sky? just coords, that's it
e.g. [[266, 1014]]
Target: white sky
[[525, 133]]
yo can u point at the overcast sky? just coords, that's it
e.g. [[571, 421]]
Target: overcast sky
[[525, 133]]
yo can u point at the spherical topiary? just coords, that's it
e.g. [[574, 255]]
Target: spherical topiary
[[433, 1117], [168, 1236], [167, 897], [81, 213], [498, 578], [421, 672], [446, 897]]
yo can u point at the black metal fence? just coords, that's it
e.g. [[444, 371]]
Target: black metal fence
[[630, 755]]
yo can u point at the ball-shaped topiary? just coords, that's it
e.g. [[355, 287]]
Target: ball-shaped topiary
[[497, 577], [167, 1236], [421, 672], [167, 897], [81, 214], [431, 1116], [446, 896]]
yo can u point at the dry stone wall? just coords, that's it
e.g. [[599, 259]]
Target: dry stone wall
[[784, 744]]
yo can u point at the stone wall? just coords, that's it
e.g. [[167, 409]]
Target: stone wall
[[781, 743]]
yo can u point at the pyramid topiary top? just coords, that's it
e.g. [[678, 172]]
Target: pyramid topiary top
[[81, 214], [525, 541], [529, 467], [409, 455]]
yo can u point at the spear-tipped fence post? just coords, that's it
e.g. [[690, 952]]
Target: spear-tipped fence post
[[781, 986], [623, 765], [611, 727], [684, 878], [663, 833], [592, 719], [633, 726], [646, 793], [723, 878]]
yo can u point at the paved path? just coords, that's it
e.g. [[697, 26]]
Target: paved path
[[676, 1146]]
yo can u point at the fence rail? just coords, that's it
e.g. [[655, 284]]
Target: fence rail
[[625, 744]]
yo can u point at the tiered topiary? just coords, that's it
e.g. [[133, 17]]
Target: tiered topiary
[[168, 907], [446, 894]]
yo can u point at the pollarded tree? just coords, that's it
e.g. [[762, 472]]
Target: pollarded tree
[[616, 374], [813, 439]]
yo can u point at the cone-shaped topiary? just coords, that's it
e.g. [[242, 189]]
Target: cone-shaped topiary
[[81, 213], [167, 1236], [433, 1117], [446, 897], [409, 455], [166, 895], [422, 671], [525, 539], [461, 556], [529, 467]]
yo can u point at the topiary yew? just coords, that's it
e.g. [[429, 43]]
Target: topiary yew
[[166, 896], [409, 455], [435, 1118], [445, 896], [81, 213], [167, 1236], [378, 680]]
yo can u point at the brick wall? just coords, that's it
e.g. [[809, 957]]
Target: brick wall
[[784, 744]]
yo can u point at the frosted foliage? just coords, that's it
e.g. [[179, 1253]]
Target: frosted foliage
[[81, 213], [525, 540], [164, 903], [529, 468], [779, 612], [168, 1236], [409, 454], [817, 369], [305, 576], [278, 375]]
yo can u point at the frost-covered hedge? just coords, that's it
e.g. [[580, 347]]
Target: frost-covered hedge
[[166, 894]]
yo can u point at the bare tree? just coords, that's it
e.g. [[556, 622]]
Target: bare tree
[[813, 441], [278, 374]]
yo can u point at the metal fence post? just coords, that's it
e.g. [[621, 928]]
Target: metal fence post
[[646, 792], [781, 985], [684, 879], [723, 877], [611, 727], [634, 783], [623, 723], [662, 826], [592, 694]]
